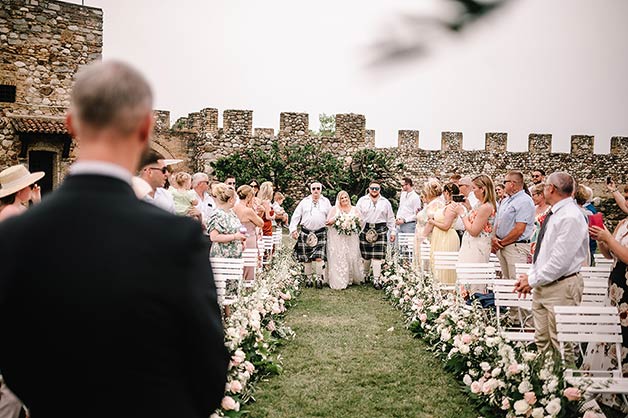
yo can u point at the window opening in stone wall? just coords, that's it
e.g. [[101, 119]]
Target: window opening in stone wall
[[7, 93], [43, 161]]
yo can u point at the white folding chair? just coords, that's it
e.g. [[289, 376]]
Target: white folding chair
[[475, 274], [522, 268], [595, 286], [227, 275], [492, 258], [445, 261], [592, 324], [601, 261], [267, 246], [277, 237], [505, 297], [424, 258], [406, 245], [250, 259]]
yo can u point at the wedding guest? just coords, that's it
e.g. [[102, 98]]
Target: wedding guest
[[153, 171], [230, 181], [409, 206], [478, 226], [443, 235], [183, 196], [281, 217], [250, 220], [541, 209], [255, 185], [538, 177], [514, 223], [379, 222], [224, 225], [266, 211], [500, 194], [583, 196], [561, 249], [206, 204], [344, 262], [18, 187], [132, 328], [432, 193], [311, 246], [465, 184]]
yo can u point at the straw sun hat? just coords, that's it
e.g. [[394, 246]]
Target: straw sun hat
[[15, 178]]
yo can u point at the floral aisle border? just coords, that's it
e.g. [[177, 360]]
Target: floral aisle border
[[501, 377], [255, 328]]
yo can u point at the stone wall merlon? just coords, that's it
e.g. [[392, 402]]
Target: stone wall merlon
[[293, 124], [162, 120], [619, 145], [237, 122]]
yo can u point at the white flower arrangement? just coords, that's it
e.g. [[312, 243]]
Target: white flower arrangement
[[347, 224], [501, 377]]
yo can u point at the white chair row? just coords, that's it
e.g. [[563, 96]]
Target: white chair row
[[228, 278], [405, 241]]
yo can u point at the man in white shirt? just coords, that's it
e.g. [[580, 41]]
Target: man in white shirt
[[206, 205], [311, 214], [409, 205], [153, 171], [379, 220], [465, 184], [561, 249]]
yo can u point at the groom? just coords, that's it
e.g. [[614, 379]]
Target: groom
[[311, 214], [378, 219]]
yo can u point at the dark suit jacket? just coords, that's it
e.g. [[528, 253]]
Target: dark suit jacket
[[108, 307]]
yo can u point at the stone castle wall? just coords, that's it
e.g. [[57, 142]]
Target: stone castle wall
[[44, 43]]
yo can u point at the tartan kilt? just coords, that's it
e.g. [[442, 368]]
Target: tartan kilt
[[377, 249], [305, 254]]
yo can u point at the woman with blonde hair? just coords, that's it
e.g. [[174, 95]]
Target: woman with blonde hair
[[344, 261], [478, 226], [265, 209], [250, 220], [432, 197], [224, 225]]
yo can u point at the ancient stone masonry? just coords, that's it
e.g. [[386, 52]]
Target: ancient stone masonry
[[43, 44]]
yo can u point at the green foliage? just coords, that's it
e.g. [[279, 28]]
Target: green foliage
[[292, 168]]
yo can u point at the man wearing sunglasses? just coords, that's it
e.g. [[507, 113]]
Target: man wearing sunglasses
[[153, 171], [379, 220], [311, 247]]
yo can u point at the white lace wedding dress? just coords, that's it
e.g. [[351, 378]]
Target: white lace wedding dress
[[344, 262]]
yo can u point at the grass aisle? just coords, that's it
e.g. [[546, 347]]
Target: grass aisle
[[345, 363]]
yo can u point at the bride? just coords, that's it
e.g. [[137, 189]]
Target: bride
[[344, 262]]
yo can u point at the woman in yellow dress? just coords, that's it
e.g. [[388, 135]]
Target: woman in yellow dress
[[444, 236], [431, 194]]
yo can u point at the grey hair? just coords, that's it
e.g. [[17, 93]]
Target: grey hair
[[563, 182], [199, 177], [111, 94]]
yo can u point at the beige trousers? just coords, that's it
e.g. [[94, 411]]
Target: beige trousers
[[567, 292], [511, 255]]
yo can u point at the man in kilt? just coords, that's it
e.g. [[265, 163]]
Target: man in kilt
[[311, 214], [379, 219]]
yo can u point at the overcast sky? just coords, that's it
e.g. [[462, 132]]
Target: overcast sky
[[557, 67]]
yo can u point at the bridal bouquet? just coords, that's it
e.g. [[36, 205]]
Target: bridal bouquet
[[347, 224]]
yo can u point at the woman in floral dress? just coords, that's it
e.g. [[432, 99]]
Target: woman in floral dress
[[224, 225]]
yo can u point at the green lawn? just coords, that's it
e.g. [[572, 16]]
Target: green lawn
[[345, 363]]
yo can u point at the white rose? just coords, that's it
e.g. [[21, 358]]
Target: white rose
[[485, 366], [524, 386], [490, 330], [553, 407], [538, 413], [496, 372], [529, 356], [445, 335], [521, 407], [464, 349], [467, 380]]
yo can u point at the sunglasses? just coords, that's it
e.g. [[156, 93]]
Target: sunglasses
[[535, 176], [163, 170], [374, 188], [254, 185], [316, 188]]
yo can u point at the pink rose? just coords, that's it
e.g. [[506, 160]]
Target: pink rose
[[590, 414], [505, 404], [423, 317], [572, 394], [476, 387], [530, 398], [513, 368], [466, 338], [235, 386], [229, 404], [271, 326], [249, 367]]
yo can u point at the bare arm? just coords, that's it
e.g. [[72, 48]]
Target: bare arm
[[218, 237], [483, 213], [608, 243], [252, 216], [514, 234], [331, 215], [450, 217]]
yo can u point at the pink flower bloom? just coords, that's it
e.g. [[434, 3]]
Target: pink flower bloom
[[530, 398], [423, 317], [513, 368], [572, 394], [476, 387], [229, 404], [505, 404], [271, 326], [249, 367], [466, 338], [235, 386]]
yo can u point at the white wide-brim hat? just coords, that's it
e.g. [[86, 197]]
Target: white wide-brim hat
[[15, 178], [172, 161]]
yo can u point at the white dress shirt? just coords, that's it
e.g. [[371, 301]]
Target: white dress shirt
[[206, 206], [473, 201], [565, 245], [162, 199], [311, 215], [375, 212], [409, 205]]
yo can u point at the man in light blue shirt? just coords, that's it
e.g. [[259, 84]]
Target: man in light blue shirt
[[514, 224]]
